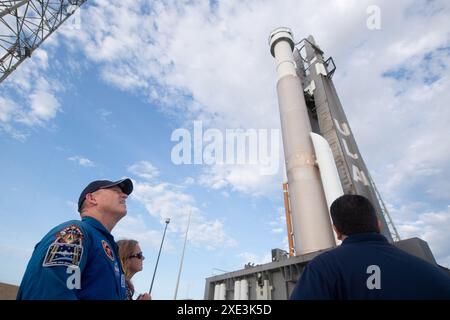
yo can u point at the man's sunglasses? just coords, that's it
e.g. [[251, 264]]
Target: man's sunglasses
[[137, 255]]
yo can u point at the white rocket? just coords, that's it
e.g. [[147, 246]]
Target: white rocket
[[311, 224]]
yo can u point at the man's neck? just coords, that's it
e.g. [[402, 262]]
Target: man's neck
[[102, 218]]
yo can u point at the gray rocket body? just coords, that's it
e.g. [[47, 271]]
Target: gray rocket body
[[310, 218]]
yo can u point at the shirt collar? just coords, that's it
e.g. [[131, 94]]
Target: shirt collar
[[96, 224], [364, 237]]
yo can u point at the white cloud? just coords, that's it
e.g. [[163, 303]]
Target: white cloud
[[30, 70], [134, 227], [72, 205], [15, 251], [35, 102], [242, 178], [415, 157], [144, 170], [44, 106], [85, 162], [189, 181], [434, 228], [14, 133], [278, 224], [249, 257], [103, 113], [164, 200], [105, 116], [7, 109]]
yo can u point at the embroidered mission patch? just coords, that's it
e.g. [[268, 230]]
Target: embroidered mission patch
[[108, 250], [67, 249]]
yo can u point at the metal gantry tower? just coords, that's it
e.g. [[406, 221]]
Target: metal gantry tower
[[25, 24], [328, 119]]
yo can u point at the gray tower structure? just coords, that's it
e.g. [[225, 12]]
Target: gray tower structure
[[328, 119]]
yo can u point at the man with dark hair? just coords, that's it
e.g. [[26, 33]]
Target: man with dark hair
[[79, 260], [366, 265], [354, 214]]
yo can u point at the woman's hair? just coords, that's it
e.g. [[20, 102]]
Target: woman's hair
[[126, 248]]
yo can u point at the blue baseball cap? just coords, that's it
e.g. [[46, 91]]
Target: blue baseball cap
[[125, 184]]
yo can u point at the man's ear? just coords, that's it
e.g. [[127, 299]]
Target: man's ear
[[380, 226], [90, 197], [339, 235]]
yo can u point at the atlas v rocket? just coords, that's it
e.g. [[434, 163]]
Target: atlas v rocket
[[312, 120]]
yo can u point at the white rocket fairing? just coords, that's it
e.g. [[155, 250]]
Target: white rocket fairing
[[328, 172]]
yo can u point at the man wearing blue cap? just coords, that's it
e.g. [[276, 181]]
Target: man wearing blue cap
[[78, 260]]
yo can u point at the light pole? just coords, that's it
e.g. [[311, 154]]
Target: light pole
[[157, 260], [182, 256]]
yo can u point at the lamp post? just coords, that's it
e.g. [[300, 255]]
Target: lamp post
[[157, 260], [182, 256]]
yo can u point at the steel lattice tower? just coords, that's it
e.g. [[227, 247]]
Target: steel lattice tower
[[25, 24]]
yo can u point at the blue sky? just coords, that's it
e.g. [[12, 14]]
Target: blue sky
[[102, 101]]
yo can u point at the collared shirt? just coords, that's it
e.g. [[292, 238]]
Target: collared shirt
[[75, 260], [367, 266]]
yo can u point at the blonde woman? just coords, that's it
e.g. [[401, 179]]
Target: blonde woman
[[131, 258]]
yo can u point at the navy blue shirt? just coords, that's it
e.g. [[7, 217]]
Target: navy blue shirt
[[77, 260], [366, 266]]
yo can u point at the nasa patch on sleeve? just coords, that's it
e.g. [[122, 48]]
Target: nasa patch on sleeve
[[108, 250], [67, 249]]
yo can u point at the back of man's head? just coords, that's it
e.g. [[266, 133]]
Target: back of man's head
[[354, 214]]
